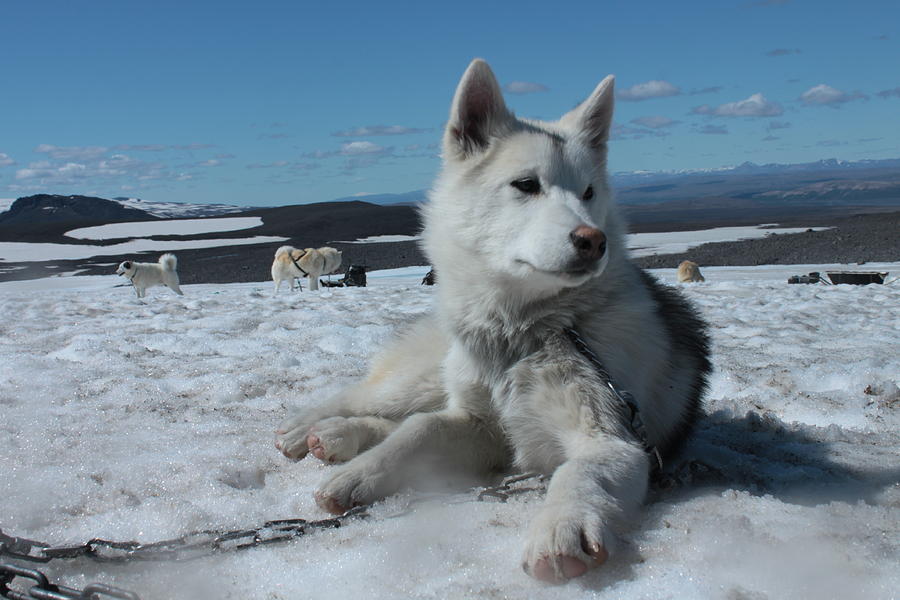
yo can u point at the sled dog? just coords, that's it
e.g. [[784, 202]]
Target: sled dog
[[689, 271], [291, 263], [144, 275], [548, 349]]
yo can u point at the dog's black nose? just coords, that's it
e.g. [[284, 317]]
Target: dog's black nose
[[589, 242]]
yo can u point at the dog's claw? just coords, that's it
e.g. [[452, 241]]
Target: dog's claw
[[566, 568], [329, 504]]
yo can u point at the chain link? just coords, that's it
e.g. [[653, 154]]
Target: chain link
[[508, 488], [44, 590]]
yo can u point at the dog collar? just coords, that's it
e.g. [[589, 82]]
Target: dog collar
[[631, 410]]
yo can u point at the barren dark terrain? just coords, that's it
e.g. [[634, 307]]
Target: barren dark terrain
[[855, 235]]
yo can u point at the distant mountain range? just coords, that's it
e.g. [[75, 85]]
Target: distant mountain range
[[750, 168], [408, 198], [745, 192], [831, 180]]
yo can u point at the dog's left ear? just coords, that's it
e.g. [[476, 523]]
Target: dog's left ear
[[593, 117], [478, 112]]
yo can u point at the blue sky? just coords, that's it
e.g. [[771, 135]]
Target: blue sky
[[272, 103]]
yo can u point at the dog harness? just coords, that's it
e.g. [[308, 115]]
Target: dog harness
[[631, 409], [296, 264]]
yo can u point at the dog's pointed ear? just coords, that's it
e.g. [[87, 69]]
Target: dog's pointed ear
[[592, 119], [477, 114]]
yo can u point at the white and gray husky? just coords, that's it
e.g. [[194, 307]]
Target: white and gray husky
[[548, 350], [144, 275], [292, 263]]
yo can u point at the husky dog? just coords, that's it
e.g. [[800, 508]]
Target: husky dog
[[144, 275], [548, 350], [689, 271], [291, 263]]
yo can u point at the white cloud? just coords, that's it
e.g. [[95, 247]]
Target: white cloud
[[783, 52], [141, 147], [36, 170], [378, 130], [362, 148], [79, 153], [825, 95], [889, 93], [754, 106], [647, 90], [524, 87], [5, 160], [713, 130], [654, 122]]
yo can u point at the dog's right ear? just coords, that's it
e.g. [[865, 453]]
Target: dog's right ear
[[127, 264], [477, 114]]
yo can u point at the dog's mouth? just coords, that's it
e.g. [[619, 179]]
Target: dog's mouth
[[572, 274]]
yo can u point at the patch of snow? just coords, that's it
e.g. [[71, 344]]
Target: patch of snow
[[37, 252], [676, 242], [375, 239], [174, 210], [174, 227], [129, 419]]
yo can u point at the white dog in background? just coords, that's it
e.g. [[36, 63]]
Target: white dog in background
[[548, 351], [145, 275], [291, 263]]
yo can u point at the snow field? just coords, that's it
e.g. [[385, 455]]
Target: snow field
[[128, 419]]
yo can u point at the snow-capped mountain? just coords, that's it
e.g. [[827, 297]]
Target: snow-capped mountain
[[179, 210], [751, 168]]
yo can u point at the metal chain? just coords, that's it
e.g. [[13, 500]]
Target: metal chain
[[44, 590], [505, 489], [190, 546]]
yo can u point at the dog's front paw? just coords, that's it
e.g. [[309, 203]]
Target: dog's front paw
[[564, 542], [358, 483], [335, 439], [290, 437]]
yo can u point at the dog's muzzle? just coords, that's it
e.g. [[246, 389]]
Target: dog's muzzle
[[590, 246]]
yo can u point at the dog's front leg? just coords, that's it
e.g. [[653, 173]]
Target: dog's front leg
[[462, 437], [421, 444], [592, 494]]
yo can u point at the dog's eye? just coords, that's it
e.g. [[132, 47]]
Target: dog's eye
[[527, 185], [588, 193]]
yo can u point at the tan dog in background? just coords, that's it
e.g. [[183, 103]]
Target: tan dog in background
[[689, 272], [292, 263]]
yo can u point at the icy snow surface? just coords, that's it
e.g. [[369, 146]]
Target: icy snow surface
[[129, 419], [676, 242], [175, 227], [374, 239], [180, 209], [36, 252]]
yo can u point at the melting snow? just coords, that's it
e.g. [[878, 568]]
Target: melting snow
[[37, 252], [174, 227]]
